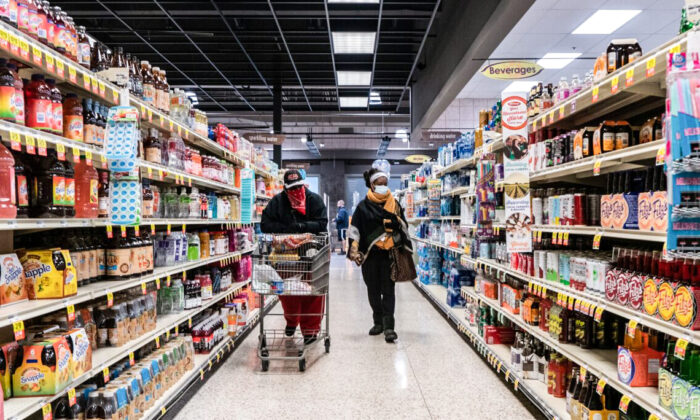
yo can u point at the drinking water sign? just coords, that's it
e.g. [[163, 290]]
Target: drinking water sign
[[508, 70]]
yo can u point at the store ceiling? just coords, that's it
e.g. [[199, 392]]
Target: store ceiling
[[548, 25]]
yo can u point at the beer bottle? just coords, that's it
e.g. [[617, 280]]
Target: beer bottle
[[573, 383]]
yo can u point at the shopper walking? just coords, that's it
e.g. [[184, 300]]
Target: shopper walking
[[298, 210], [341, 224], [379, 242]]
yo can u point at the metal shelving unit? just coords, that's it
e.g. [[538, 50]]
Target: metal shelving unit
[[495, 144], [631, 234]]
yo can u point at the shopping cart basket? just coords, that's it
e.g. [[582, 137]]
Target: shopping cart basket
[[291, 265]]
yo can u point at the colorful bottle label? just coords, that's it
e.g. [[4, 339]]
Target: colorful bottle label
[[57, 124], [666, 301], [34, 22], [69, 199], [42, 30], [685, 306], [18, 103], [94, 191], [38, 114], [149, 94], [7, 94], [84, 54], [13, 12], [5, 9], [59, 190], [73, 127], [22, 191], [23, 16]]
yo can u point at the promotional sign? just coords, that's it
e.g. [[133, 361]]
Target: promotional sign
[[516, 172], [265, 138], [297, 165], [432, 136], [418, 158], [509, 70]]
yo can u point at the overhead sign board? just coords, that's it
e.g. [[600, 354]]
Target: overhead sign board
[[297, 165], [264, 138], [417, 158], [434, 136], [509, 70]]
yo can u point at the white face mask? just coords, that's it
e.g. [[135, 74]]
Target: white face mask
[[381, 189]]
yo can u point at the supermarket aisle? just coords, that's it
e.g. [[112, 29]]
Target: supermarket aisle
[[429, 373]]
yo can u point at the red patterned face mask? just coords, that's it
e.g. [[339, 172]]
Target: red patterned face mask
[[297, 197]]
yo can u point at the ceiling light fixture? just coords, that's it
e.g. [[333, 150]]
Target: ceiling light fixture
[[520, 86], [605, 22], [353, 42], [557, 60], [374, 98], [353, 101], [402, 134], [353, 1], [354, 78], [322, 144], [303, 139]]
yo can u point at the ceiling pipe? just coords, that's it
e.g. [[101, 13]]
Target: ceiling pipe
[[194, 44], [374, 57], [289, 53], [330, 41], [235, 37], [158, 52], [420, 51]]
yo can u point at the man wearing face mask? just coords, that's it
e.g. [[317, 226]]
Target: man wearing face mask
[[379, 243], [341, 224], [297, 210]]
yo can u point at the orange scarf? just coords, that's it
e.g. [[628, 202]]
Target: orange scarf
[[391, 206]]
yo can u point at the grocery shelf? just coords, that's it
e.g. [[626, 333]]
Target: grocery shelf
[[57, 223], [630, 234], [204, 363], [35, 308], [601, 363], [262, 197], [494, 145], [497, 355], [456, 191], [160, 172], [265, 173], [613, 93], [438, 245], [600, 301], [583, 168], [105, 357]]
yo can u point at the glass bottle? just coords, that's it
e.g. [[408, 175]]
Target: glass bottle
[[103, 195], [84, 49], [149, 90]]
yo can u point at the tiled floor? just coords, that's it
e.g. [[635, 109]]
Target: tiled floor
[[429, 373]]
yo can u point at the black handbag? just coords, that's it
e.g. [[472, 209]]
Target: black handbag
[[402, 267]]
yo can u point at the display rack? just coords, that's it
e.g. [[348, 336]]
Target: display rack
[[494, 145]]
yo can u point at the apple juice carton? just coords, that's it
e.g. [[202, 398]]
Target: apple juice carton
[[44, 369]]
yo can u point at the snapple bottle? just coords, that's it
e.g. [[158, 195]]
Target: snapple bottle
[[56, 115], [69, 196], [7, 93], [8, 210], [18, 98], [21, 187], [86, 191], [38, 103], [23, 7], [48, 187], [72, 117]]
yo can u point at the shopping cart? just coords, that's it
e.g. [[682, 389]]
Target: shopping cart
[[291, 265]]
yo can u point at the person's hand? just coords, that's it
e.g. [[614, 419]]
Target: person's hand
[[356, 258]]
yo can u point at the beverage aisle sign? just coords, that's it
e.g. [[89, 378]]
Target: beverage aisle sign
[[516, 172], [508, 70]]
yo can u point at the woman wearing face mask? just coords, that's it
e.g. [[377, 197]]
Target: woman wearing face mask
[[379, 243]]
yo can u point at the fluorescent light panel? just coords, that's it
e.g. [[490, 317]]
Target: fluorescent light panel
[[354, 78], [353, 1], [374, 98], [557, 60], [353, 42], [520, 86], [353, 101], [605, 22]]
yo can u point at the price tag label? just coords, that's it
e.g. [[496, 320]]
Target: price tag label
[[153, 229], [86, 78], [565, 238], [654, 417], [41, 145], [46, 412], [551, 117], [170, 125], [70, 313], [596, 167], [95, 85], [101, 87], [594, 93], [625, 403], [105, 374], [661, 155], [577, 305], [681, 346], [149, 170], [4, 40], [109, 232], [544, 291], [530, 287], [15, 141], [601, 386], [596, 240], [18, 329], [157, 284], [103, 159], [539, 236], [184, 228], [218, 357], [50, 63], [71, 397], [31, 145], [650, 67], [675, 49], [115, 96], [201, 374], [76, 155], [36, 56], [162, 411], [60, 72], [24, 49], [167, 231], [110, 299], [189, 323], [150, 115], [160, 174], [88, 157], [598, 313], [123, 230], [144, 287], [614, 84], [189, 182], [61, 151], [179, 130], [161, 119], [515, 384], [177, 330], [158, 342], [629, 77], [632, 327], [132, 362], [571, 304], [14, 45], [210, 364], [561, 112]]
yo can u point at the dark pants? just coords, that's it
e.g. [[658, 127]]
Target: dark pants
[[376, 271]]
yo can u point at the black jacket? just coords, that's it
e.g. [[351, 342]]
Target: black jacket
[[280, 217]]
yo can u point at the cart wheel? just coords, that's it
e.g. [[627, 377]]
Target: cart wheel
[[302, 365], [327, 344], [265, 353], [265, 365]]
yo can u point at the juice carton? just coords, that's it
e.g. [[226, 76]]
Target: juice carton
[[638, 367], [9, 354], [12, 282], [45, 368], [50, 273]]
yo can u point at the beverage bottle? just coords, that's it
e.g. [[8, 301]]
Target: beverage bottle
[[21, 187], [149, 90], [42, 12], [103, 194], [165, 98], [152, 146], [56, 107], [147, 199], [18, 98], [8, 208], [23, 7], [38, 103], [69, 198], [138, 78], [84, 49], [59, 29], [100, 122], [71, 38], [575, 85], [194, 204], [86, 191], [573, 383], [563, 91], [73, 126], [7, 93], [183, 204], [95, 409], [119, 69], [50, 24], [88, 122], [48, 187], [158, 88]]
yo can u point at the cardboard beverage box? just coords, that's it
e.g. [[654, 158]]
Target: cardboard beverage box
[[498, 335], [510, 298], [9, 353], [13, 286], [44, 369], [638, 368], [50, 273]]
